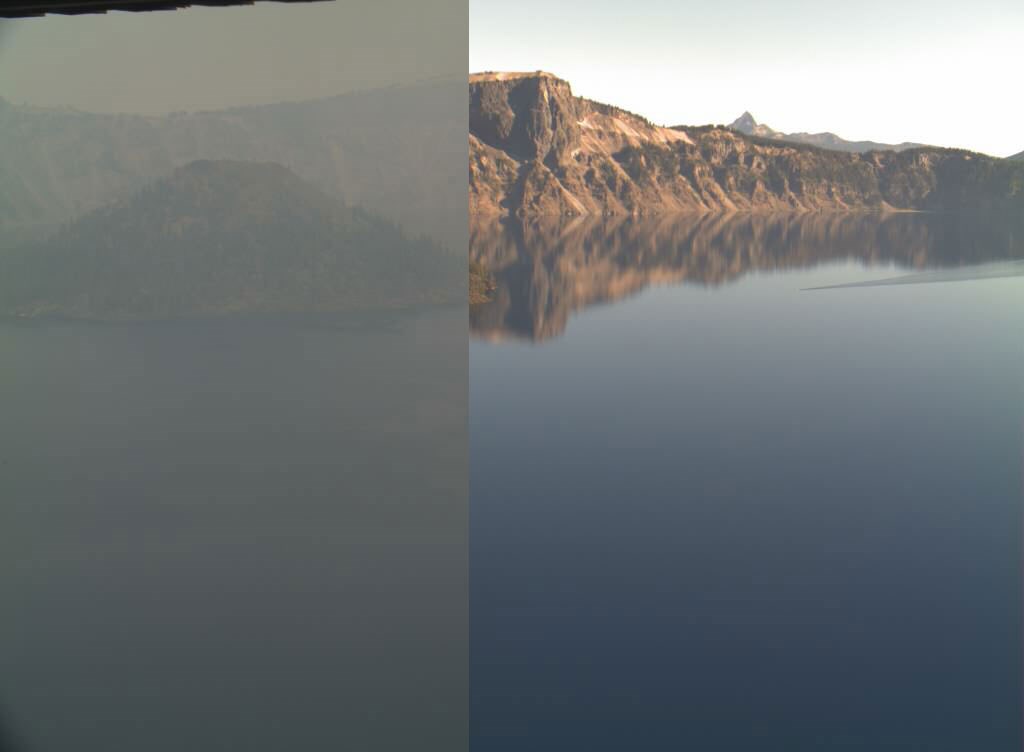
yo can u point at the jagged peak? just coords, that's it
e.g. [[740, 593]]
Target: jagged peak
[[744, 123]]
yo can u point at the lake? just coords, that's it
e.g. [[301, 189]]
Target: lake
[[713, 509], [234, 534]]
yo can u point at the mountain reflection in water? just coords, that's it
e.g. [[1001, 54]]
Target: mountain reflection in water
[[548, 268]]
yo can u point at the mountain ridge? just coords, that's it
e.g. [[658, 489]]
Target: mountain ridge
[[747, 125], [396, 151], [536, 148]]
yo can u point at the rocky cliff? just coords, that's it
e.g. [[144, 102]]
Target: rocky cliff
[[536, 149]]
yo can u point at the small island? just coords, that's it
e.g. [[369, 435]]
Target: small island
[[222, 238]]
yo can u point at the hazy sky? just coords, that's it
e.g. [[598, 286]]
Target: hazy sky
[[943, 72], [207, 58]]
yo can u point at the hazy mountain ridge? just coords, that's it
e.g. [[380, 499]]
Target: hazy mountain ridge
[[395, 151], [747, 125], [535, 149], [219, 237]]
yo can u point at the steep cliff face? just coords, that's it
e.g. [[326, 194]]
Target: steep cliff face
[[536, 149]]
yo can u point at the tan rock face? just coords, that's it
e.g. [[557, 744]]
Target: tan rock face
[[536, 149]]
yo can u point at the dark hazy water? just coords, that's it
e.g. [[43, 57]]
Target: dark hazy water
[[723, 513], [234, 535]]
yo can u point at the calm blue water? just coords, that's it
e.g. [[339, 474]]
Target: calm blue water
[[721, 513]]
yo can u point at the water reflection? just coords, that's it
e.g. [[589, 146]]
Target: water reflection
[[547, 269], [748, 517]]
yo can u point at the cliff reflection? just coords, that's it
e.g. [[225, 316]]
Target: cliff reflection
[[545, 269]]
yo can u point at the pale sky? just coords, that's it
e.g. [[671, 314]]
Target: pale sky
[[944, 72], [937, 71], [208, 58]]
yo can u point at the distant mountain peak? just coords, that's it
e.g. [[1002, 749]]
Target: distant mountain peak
[[745, 123]]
